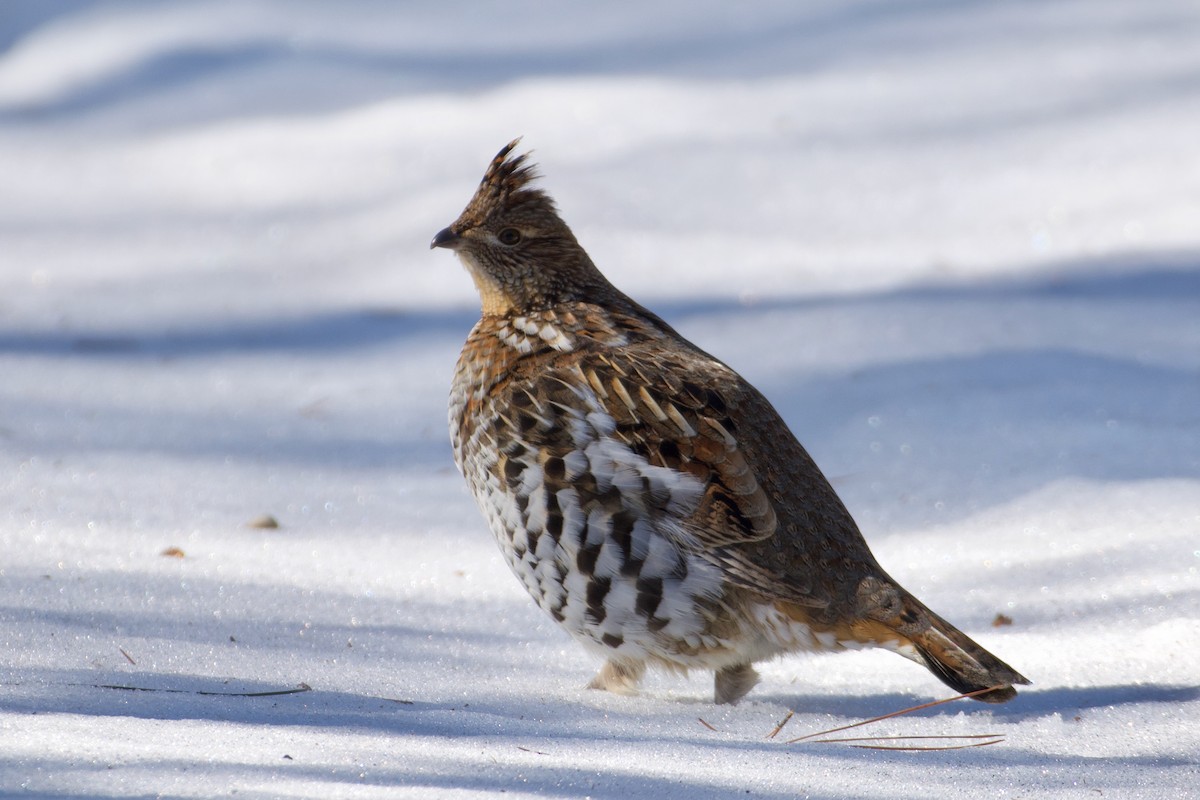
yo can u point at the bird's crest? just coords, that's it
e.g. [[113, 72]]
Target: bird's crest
[[504, 185]]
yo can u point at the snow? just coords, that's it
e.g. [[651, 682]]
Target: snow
[[958, 245]]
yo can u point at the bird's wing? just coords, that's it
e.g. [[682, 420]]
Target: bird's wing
[[649, 434]]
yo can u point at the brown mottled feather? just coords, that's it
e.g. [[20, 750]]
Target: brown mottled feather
[[650, 499]]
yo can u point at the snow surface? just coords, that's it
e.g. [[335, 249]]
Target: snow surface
[[957, 244]]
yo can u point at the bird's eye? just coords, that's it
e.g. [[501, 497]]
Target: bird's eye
[[509, 236]]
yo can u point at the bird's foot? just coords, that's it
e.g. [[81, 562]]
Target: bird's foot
[[619, 677], [732, 683]]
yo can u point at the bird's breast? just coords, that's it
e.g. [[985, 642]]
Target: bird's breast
[[591, 529]]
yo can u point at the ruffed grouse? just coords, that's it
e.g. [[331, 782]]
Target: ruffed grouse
[[650, 499]]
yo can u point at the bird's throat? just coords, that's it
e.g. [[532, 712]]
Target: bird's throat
[[493, 299]]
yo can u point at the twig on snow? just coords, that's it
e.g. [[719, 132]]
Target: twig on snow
[[992, 738], [303, 687], [782, 722]]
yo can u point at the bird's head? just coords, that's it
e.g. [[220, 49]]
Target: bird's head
[[520, 253]]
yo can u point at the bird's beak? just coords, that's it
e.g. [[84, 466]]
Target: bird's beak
[[446, 238]]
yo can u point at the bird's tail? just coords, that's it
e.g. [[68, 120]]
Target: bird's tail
[[957, 660], [893, 618]]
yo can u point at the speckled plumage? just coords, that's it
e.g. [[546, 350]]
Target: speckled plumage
[[648, 498]]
